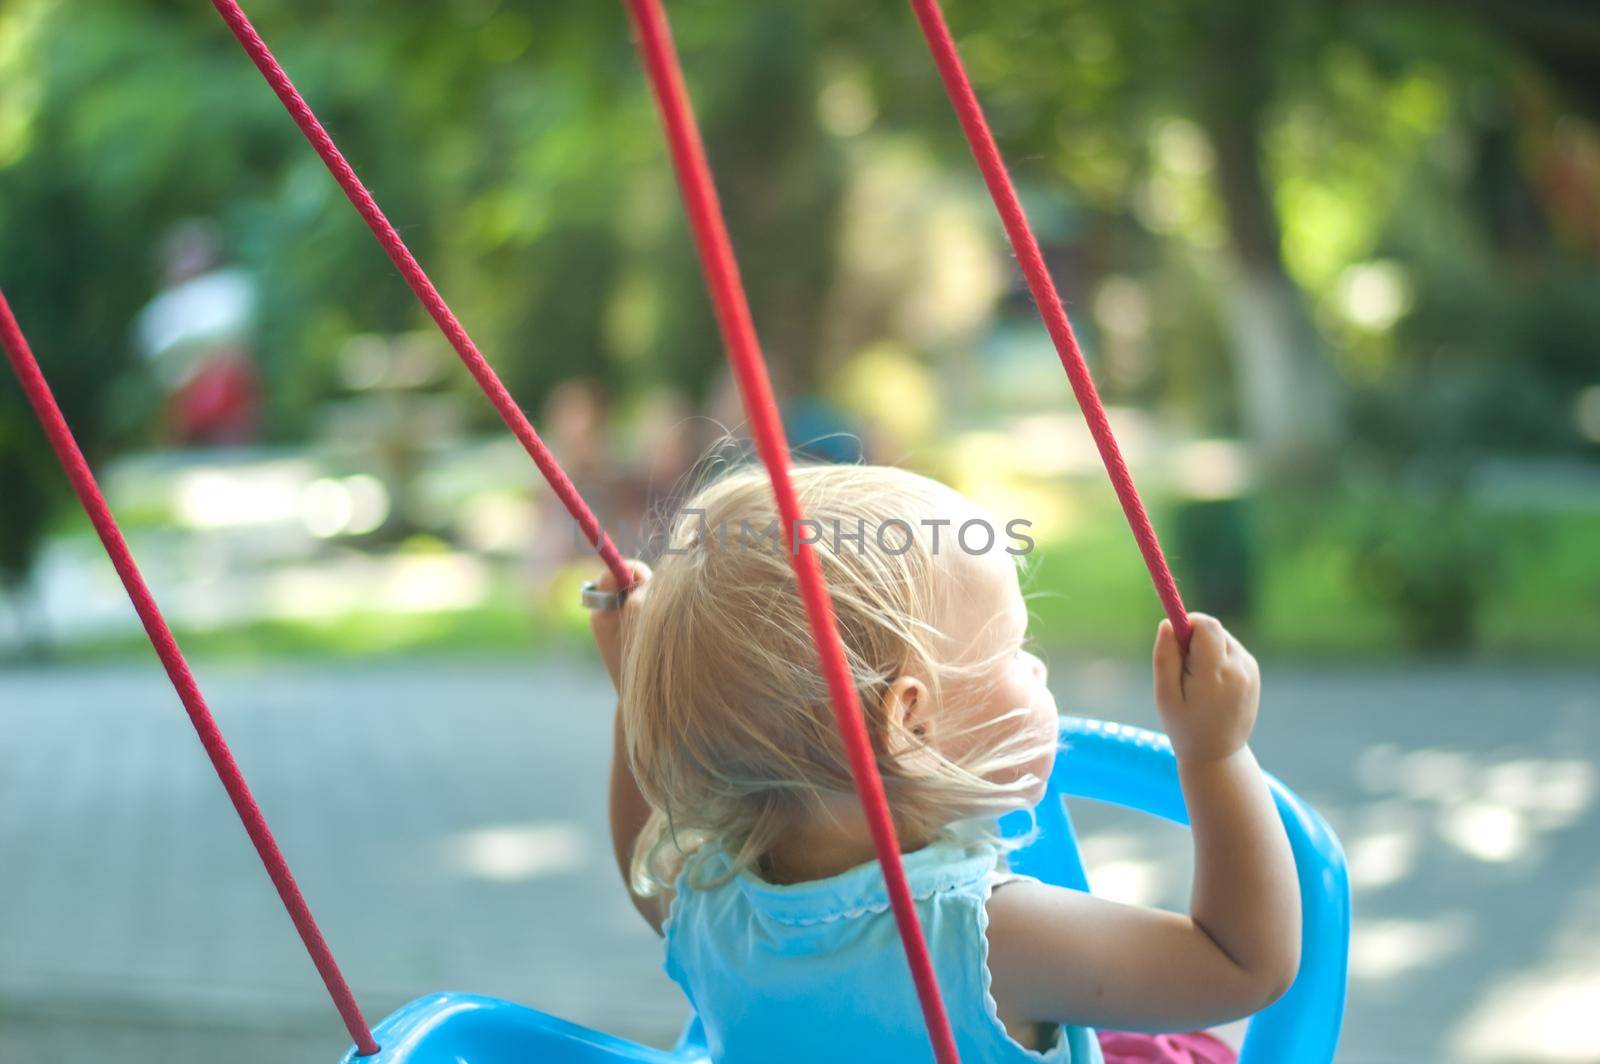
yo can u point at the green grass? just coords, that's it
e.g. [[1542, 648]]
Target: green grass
[[1089, 594], [1540, 584], [1548, 597], [492, 631]]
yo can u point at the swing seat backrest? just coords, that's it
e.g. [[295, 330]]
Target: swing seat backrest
[[1107, 762], [1135, 768]]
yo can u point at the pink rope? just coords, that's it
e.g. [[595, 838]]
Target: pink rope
[[425, 292], [654, 38], [34, 386], [987, 154]]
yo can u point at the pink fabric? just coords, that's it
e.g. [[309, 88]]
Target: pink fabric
[[219, 404], [1125, 1047]]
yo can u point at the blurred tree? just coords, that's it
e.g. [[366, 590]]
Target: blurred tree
[[755, 83], [74, 258], [1561, 36], [29, 485], [1098, 88], [1320, 128], [1290, 393], [1313, 191]]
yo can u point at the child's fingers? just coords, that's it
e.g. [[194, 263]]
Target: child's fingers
[[605, 624], [1209, 642], [639, 588], [1167, 662], [641, 573], [600, 619]]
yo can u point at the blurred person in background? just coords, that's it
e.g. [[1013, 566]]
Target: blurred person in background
[[195, 334], [668, 440], [574, 423]]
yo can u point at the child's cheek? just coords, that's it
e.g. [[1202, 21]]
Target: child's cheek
[[1046, 715]]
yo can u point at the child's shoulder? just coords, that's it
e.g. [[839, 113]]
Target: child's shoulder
[[1038, 936]]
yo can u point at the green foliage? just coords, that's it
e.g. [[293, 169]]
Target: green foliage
[[29, 485], [1429, 562], [1398, 167], [1214, 547]]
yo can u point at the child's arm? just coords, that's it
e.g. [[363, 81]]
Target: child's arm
[[1063, 956], [629, 810]]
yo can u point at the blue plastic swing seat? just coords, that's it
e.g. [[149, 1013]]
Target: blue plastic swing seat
[[1107, 762]]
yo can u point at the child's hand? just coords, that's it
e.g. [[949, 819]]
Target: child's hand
[[607, 625], [1058, 953], [1208, 700]]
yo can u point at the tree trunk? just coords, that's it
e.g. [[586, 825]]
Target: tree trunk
[[1288, 393], [781, 185], [1561, 36]]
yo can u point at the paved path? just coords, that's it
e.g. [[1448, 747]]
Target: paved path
[[447, 825]]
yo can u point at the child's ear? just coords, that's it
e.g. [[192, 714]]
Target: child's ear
[[908, 715]]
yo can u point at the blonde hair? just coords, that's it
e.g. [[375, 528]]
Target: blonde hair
[[729, 727]]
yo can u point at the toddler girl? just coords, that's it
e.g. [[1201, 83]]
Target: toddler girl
[[738, 831]]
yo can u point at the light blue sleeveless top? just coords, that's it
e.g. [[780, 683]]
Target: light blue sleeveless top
[[814, 972]]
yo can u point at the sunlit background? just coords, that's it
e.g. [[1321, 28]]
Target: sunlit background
[[1335, 265]]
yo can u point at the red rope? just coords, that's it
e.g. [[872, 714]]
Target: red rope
[[426, 294], [654, 38], [26, 367], [985, 151]]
